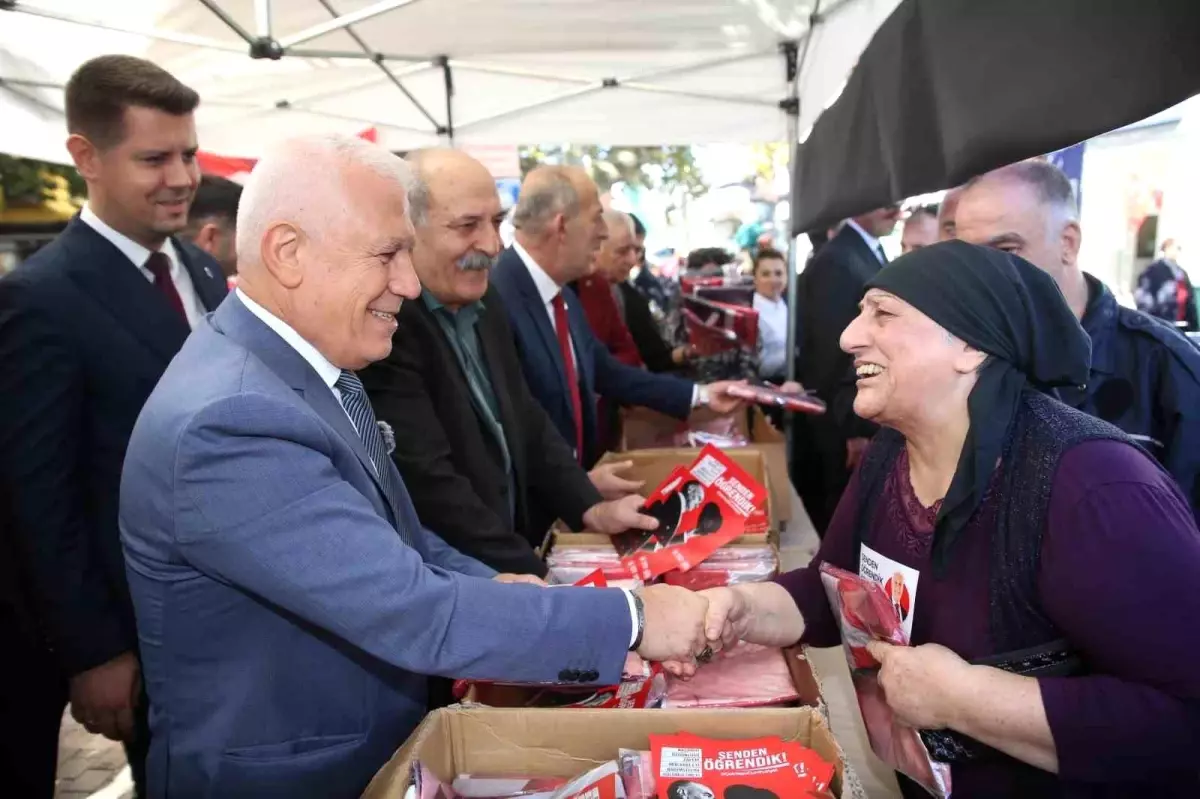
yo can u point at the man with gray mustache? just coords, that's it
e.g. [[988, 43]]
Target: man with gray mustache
[[486, 467]]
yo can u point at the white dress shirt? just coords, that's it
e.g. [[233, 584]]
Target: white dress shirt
[[192, 307], [871, 241], [773, 326]]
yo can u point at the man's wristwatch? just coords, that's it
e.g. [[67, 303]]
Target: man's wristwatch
[[639, 609], [702, 396]]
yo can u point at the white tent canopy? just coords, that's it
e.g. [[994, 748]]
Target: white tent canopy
[[423, 72]]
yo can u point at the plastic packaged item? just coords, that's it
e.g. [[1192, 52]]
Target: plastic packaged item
[[865, 613], [700, 508], [748, 675], [774, 398]]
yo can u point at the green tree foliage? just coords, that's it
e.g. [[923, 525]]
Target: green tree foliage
[[666, 168], [27, 182]]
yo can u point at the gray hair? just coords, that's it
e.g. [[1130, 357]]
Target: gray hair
[[302, 179], [613, 218], [1048, 182], [552, 195]]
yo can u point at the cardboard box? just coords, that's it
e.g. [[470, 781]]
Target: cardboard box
[[518, 696], [565, 743]]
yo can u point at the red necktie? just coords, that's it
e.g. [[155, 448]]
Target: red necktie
[[160, 266], [564, 345]]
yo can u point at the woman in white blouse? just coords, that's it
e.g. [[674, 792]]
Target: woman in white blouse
[[770, 282]]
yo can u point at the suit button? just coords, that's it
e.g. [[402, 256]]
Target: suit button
[[566, 675]]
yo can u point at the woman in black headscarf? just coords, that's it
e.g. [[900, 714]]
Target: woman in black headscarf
[[1047, 566]]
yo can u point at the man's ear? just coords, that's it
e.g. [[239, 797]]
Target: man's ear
[[280, 253], [207, 238], [85, 155], [1072, 239]]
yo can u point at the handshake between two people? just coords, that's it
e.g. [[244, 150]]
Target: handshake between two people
[[684, 629]]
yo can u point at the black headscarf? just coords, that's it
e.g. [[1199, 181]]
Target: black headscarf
[[1006, 307]]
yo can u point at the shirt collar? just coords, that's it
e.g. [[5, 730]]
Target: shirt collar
[[760, 298], [871, 241], [470, 312], [326, 370], [547, 288], [135, 252]]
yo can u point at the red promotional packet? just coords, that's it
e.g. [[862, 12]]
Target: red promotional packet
[[759, 767], [766, 395], [700, 509]]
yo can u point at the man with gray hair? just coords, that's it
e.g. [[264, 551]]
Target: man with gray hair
[[560, 226], [486, 467], [289, 602], [1145, 376]]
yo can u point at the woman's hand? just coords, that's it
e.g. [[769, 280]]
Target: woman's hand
[[923, 684]]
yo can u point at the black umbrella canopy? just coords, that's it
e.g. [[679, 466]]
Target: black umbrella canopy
[[948, 89]]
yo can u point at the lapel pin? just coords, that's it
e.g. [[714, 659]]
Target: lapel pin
[[208, 272]]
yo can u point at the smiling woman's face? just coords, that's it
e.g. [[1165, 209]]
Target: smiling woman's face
[[906, 364]]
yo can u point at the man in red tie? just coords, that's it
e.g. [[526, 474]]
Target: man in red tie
[[560, 226], [87, 327]]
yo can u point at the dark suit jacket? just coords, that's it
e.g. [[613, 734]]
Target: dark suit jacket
[[451, 462], [831, 287], [640, 321], [604, 317], [599, 372], [84, 339]]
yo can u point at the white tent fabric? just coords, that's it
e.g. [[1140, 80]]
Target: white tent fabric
[[519, 71]]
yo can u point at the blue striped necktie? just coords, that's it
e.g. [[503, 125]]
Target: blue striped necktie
[[358, 408]]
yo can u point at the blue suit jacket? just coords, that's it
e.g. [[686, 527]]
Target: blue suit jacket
[[285, 628], [83, 339], [599, 372]]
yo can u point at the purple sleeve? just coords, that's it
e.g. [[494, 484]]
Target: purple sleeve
[[1119, 568], [837, 547]]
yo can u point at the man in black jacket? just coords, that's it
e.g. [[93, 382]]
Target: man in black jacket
[[830, 290], [87, 327], [485, 466]]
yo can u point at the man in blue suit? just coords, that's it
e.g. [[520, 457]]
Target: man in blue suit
[[560, 226], [87, 327], [289, 603]]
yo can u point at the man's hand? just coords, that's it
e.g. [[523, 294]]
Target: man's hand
[[681, 355], [719, 400], [519, 578], [103, 699], [855, 449], [611, 518], [792, 387], [922, 683], [611, 485], [674, 629]]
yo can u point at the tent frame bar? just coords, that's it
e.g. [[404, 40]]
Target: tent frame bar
[[378, 61], [344, 21], [265, 46]]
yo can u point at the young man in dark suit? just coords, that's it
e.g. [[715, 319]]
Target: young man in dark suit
[[560, 225], [830, 289], [485, 466], [87, 327]]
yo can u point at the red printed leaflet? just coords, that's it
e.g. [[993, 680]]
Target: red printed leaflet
[[699, 509], [773, 766]]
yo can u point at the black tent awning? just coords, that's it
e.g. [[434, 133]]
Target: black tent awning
[[948, 89]]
